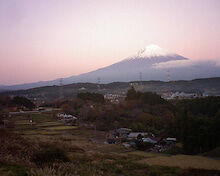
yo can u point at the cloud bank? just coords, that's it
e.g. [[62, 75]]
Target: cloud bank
[[185, 63]]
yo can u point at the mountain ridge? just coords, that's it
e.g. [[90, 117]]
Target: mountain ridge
[[152, 62], [205, 85]]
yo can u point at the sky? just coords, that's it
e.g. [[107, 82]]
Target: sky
[[48, 39]]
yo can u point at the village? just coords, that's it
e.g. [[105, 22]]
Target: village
[[139, 140], [127, 138]]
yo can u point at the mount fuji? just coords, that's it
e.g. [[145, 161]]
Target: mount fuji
[[150, 63]]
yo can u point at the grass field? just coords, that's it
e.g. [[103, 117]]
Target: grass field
[[42, 124], [47, 124], [54, 128], [182, 161]]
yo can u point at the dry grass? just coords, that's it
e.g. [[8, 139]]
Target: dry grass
[[23, 122], [47, 124], [61, 128], [145, 154], [184, 162], [16, 148], [40, 132]]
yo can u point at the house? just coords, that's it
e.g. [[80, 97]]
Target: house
[[82, 88], [118, 135], [123, 131], [67, 118], [170, 140], [134, 135], [149, 140], [153, 140]]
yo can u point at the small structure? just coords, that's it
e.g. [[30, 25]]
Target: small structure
[[149, 140], [123, 132], [134, 135], [67, 118], [152, 140], [82, 88], [170, 140], [118, 135]]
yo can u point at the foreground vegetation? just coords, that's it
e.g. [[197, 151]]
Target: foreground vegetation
[[81, 151], [40, 145]]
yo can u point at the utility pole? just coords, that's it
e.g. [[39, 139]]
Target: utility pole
[[98, 82], [168, 75], [140, 81], [61, 88], [140, 77]]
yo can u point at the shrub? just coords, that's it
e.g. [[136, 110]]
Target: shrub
[[23, 101], [214, 153], [49, 155], [143, 145], [13, 147], [174, 151], [13, 169], [94, 97], [1, 121]]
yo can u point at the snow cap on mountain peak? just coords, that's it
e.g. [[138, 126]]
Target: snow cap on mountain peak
[[152, 51]]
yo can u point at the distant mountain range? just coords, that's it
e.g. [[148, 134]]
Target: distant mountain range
[[150, 63], [209, 86]]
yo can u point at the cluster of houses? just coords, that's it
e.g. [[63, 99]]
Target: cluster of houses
[[184, 95], [67, 118], [180, 95], [127, 138], [115, 97]]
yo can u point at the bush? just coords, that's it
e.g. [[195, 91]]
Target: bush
[[23, 101], [174, 151], [94, 97], [13, 169], [143, 145], [213, 153], [50, 155], [1, 121]]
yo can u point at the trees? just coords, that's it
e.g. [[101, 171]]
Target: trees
[[131, 94], [1, 121], [22, 101], [4, 100], [198, 134], [145, 97], [94, 97], [208, 106]]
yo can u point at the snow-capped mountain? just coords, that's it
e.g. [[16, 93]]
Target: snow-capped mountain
[[151, 62], [151, 51]]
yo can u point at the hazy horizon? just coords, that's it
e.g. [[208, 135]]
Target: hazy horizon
[[49, 39]]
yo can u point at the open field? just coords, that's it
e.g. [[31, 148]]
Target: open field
[[184, 162], [146, 154], [60, 128], [46, 124]]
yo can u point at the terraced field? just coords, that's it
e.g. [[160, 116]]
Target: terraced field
[[40, 124]]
